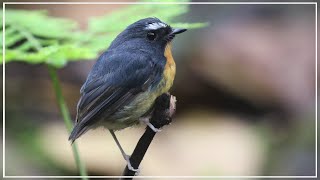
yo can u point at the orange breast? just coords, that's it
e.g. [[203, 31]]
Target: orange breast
[[170, 68]]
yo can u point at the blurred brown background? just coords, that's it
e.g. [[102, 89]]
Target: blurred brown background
[[246, 100]]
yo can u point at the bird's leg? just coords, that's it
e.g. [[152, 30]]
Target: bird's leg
[[147, 122], [125, 156]]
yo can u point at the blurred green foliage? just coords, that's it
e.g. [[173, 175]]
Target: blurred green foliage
[[35, 37]]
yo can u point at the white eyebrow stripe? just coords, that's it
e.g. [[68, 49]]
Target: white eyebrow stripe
[[155, 26]]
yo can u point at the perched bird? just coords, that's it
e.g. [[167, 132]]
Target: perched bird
[[123, 84]]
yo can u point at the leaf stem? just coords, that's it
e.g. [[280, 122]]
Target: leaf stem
[[66, 117], [60, 100]]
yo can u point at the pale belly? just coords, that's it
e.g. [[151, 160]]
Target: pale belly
[[129, 115]]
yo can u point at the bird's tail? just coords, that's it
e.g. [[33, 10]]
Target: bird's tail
[[77, 131]]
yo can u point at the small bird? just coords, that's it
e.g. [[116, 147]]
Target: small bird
[[124, 83]]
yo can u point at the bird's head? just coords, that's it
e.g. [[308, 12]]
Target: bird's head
[[147, 32]]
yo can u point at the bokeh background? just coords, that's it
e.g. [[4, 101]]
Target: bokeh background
[[246, 100]]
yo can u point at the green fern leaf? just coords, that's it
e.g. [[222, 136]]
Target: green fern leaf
[[34, 37]]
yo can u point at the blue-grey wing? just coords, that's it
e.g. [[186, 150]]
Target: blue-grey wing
[[114, 82]]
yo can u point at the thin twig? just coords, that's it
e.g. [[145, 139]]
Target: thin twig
[[162, 115]]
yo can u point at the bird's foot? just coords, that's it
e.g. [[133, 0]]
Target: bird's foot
[[130, 167], [154, 129], [146, 121]]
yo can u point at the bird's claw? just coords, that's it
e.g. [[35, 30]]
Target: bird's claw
[[154, 129], [130, 167], [146, 121]]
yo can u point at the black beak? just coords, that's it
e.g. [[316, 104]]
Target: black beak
[[177, 31]]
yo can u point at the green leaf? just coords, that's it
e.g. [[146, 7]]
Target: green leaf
[[40, 24], [35, 37], [57, 56], [119, 20], [190, 25]]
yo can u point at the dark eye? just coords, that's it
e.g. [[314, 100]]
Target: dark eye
[[151, 36]]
